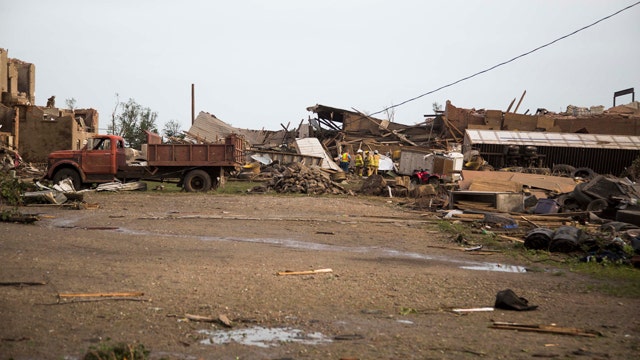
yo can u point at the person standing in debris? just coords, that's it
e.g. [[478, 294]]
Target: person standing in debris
[[376, 161], [345, 160], [369, 161], [359, 162]]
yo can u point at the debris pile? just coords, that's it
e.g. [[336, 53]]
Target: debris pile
[[611, 197], [10, 160], [296, 178], [613, 241], [374, 185]]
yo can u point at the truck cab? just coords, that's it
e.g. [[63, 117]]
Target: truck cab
[[99, 161]]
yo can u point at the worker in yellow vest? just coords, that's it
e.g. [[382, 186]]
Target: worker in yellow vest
[[376, 161], [369, 161], [345, 160], [359, 162]]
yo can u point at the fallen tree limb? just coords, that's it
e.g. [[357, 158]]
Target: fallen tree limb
[[308, 272]]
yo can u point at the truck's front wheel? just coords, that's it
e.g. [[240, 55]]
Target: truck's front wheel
[[65, 173], [197, 181]]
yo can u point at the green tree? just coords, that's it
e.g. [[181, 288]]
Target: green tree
[[172, 130], [130, 120]]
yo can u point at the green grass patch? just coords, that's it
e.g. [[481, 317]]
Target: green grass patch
[[230, 187], [120, 351], [619, 280]]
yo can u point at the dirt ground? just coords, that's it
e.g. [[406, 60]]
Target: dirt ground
[[394, 279]]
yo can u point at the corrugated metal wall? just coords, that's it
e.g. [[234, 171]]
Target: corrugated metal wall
[[602, 161]]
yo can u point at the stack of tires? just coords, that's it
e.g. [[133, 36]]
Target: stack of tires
[[564, 239]]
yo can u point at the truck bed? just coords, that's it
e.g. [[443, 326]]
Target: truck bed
[[162, 155]]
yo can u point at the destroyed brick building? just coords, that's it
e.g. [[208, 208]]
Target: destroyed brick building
[[607, 141], [34, 130]]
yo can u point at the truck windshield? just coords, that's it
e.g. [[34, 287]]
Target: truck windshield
[[101, 144]]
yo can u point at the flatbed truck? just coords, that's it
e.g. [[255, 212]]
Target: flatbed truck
[[198, 167]]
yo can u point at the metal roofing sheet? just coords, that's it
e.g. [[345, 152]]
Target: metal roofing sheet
[[593, 141]]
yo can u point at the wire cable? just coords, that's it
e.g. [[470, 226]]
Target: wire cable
[[506, 62]]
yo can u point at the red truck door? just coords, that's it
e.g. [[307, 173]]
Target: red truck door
[[100, 159]]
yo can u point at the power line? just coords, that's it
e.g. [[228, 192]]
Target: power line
[[506, 62]]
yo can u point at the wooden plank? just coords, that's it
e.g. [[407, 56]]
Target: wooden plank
[[520, 101], [116, 294], [307, 272], [552, 183], [495, 185], [545, 329]]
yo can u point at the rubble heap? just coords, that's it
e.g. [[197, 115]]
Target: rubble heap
[[297, 178], [11, 160]]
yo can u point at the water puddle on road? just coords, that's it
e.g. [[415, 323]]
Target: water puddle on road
[[262, 337], [496, 267], [295, 244]]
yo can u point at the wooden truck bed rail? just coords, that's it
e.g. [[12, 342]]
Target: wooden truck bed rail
[[228, 154]]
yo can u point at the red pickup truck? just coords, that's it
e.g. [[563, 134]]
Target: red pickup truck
[[199, 167]]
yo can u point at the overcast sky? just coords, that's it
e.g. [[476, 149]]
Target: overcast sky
[[258, 64]]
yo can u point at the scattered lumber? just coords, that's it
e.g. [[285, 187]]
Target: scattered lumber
[[552, 329], [480, 309], [307, 272], [221, 319], [511, 238], [114, 294], [297, 178]]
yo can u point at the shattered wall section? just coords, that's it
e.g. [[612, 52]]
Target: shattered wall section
[[40, 130], [17, 80], [26, 80], [4, 77], [612, 124], [621, 120], [40, 134], [43, 130], [463, 118]]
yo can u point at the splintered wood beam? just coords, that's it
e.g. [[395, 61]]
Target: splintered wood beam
[[510, 105], [115, 294], [551, 329], [519, 102], [307, 272]]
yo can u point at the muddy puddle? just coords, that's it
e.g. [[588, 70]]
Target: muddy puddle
[[262, 337], [295, 244]]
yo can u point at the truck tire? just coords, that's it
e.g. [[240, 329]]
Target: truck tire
[[197, 181], [562, 170], [584, 173], [65, 173], [580, 196]]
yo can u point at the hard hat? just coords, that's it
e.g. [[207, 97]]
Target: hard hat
[[359, 150], [375, 151]]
